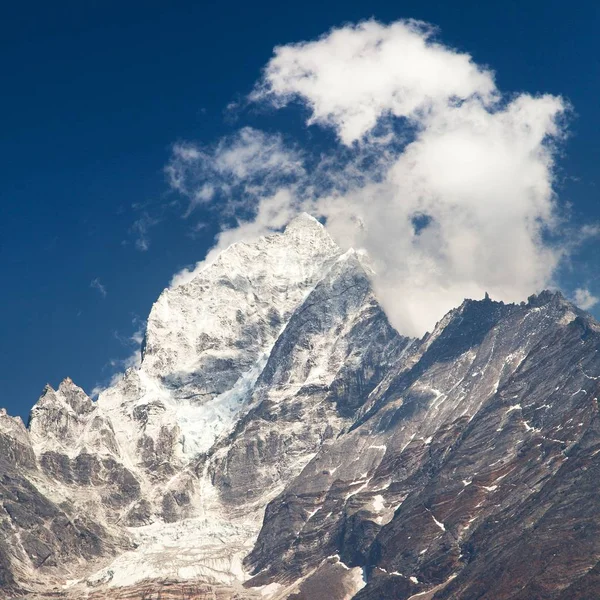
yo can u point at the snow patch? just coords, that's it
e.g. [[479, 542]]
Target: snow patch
[[378, 503], [438, 523]]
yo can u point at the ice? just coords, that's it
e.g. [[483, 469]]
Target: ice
[[189, 549], [201, 425]]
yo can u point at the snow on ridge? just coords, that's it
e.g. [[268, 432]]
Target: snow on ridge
[[245, 288], [189, 549], [232, 312]]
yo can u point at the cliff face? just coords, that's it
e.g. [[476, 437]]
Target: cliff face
[[281, 440]]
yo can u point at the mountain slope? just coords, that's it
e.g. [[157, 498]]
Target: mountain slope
[[281, 440], [468, 472]]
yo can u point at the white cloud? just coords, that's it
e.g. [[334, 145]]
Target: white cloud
[[356, 74], [584, 298], [425, 135], [96, 284], [240, 166]]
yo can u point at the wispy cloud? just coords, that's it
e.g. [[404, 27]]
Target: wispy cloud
[[445, 180], [141, 230], [238, 168], [584, 298], [96, 284]]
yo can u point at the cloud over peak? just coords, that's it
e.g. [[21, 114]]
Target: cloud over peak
[[447, 182], [231, 167]]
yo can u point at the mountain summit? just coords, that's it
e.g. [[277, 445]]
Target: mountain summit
[[280, 439]]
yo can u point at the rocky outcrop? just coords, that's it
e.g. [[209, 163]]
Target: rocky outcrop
[[45, 538]]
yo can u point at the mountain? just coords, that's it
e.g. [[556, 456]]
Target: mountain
[[281, 440]]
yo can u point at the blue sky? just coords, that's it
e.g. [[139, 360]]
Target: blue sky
[[95, 94]]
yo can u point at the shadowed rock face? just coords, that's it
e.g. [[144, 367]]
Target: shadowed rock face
[[40, 537], [281, 440]]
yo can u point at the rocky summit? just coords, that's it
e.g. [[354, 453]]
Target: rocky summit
[[281, 440]]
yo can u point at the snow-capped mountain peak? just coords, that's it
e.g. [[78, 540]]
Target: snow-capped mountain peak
[[281, 440]]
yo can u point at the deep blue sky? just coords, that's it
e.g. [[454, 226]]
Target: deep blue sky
[[94, 94]]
